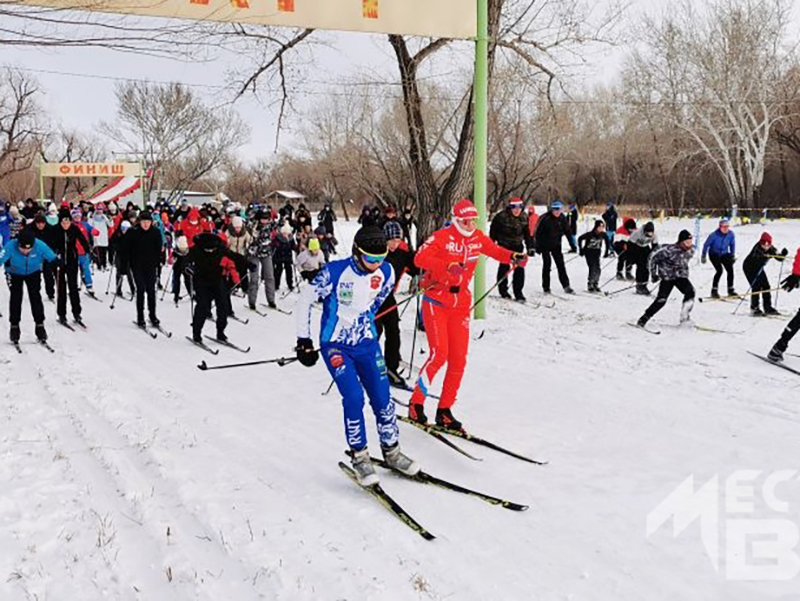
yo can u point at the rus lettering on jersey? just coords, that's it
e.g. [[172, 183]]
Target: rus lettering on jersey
[[455, 247], [370, 9], [286, 6]]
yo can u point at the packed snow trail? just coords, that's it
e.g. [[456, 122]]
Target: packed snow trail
[[116, 438]]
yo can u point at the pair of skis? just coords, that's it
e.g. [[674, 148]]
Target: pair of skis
[[153, 331], [423, 478], [43, 343], [776, 363], [213, 351]]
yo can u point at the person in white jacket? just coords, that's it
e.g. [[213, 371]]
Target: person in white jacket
[[101, 222], [310, 261]]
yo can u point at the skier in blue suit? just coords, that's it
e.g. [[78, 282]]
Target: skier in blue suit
[[352, 290]]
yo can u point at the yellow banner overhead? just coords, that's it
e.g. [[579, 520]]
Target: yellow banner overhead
[[433, 18], [91, 169]]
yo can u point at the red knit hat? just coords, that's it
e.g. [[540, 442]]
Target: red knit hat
[[464, 209], [765, 237]]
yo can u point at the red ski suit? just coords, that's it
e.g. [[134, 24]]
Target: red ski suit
[[446, 305]]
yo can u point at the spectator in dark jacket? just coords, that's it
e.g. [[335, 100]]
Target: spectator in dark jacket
[[552, 226], [144, 246], [509, 229], [44, 232], [66, 238], [754, 265], [590, 245], [573, 228], [610, 218]]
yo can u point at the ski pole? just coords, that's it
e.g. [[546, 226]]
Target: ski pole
[[169, 277], [615, 292], [328, 390], [414, 340], [281, 361], [780, 277], [400, 304], [110, 277], [490, 290], [572, 259]]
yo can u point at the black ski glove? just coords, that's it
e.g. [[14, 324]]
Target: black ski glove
[[785, 252], [790, 283], [306, 354], [531, 252]]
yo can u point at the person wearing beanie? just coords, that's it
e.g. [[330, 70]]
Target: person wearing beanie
[[720, 247], [239, 242], [622, 238], [310, 261], [754, 270], [181, 260], [351, 291], [642, 243], [283, 246], [24, 258], [590, 246], [101, 223], [143, 245], [69, 243], [211, 260], [43, 231], [449, 258], [122, 258], [85, 257], [670, 265], [552, 226], [789, 332], [260, 266], [401, 258], [326, 218], [509, 229], [610, 218]]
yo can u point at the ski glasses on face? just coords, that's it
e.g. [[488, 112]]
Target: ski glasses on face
[[372, 258]]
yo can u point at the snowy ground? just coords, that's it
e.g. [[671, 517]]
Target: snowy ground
[[127, 473]]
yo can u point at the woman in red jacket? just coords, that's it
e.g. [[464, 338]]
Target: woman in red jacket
[[789, 284], [449, 258]]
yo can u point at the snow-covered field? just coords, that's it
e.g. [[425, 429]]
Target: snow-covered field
[[127, 473]]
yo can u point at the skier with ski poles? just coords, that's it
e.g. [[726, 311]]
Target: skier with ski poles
[[670, 264], [720, 247], [402, 261], [24, 257], [143, 245], [590, 246], [789, 284], [509, 229], [449, 258], [210, 257], [67, 237], [351, 290], [44, 231], [552, 226], [753, 267]]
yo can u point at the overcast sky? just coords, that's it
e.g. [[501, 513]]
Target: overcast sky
[[81, 102]]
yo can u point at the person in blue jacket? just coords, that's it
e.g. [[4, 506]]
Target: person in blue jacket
[[720, 247], [5, 224], [24, 258], [352, 290]]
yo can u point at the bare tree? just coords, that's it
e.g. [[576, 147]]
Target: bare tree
[[180, 138], [714, 72], [20, 121]]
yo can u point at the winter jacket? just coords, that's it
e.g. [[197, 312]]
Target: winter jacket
[[189, 229], [510, 232], [239, 243], [306, 261], [45, 234], [591, 241], [5, 227], [282, 247], [15, 226], [67, 242], [402, 261], [101, 224], [757, 259], [207, 255], [143, 249], [671, 262], [89, 232], [326, 217], [641, 239], [573, 221], [18, 263], [448, 247], [719, 244], [610, 218], [533, 220], [549, 231], [262, 237]]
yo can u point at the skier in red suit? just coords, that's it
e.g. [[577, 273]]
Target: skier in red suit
[[449, 258]]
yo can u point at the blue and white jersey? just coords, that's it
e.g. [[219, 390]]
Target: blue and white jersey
[[350, 297]]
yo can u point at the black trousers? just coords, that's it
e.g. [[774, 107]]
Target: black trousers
[[389, 325], [49, 273], [518, 280], [145, 286], [641, 256], [759, 283], [788, 333], [204, 295], [625, 258], [178, 271], [33, 282], [548, 257], [720, 262], [101, 257], [593, 261], [280, 267], [665, 289], [68, 280]]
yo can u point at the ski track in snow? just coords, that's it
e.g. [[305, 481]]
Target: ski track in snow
[[117, 438]]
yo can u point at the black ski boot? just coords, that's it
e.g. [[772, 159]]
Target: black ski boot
[[757, 312], [642, 289], [714, 293], [775, 354], [620, 276], [41, 333], [14, 334], [445, 419], [771, 311], [416, 413], [222, 337], [395, 380]]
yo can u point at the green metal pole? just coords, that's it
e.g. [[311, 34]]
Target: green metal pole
[[481, 139]]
